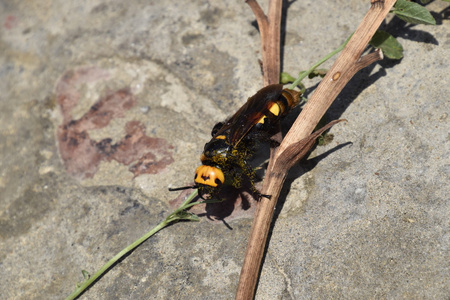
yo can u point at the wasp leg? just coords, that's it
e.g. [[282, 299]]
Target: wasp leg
[[265, 196], [261, 166], [257, 194], [251, 175]]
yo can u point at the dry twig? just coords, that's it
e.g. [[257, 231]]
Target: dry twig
[[299, 139], [269, 28]]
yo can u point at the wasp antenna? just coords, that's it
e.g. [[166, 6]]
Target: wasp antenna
[[183, 188]]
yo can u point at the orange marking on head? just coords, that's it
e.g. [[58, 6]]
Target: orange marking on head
[[208, 175]]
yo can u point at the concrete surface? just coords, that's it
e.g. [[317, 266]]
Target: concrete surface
[[104, 104]]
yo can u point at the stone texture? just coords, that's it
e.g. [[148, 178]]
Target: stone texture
[[366, 218]]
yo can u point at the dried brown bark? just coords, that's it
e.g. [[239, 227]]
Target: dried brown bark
[[299, 139]]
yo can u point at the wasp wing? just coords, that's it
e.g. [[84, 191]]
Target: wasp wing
[[256, 107]]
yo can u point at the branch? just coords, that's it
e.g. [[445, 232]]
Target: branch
[[345, 67], [269, 28]]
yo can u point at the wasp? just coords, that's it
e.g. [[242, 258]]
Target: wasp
[[225, 158]]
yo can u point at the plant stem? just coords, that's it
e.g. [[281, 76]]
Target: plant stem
[[302, 75], [176, 215], [269, 28]]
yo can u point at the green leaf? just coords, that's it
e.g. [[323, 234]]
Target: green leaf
[[413, 13], [425, 1], [446, 0], [386, 42], [184, 215], [286, 78], [86, 274], [318, 72]]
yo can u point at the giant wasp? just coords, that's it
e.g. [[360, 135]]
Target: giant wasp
[[235, 141]]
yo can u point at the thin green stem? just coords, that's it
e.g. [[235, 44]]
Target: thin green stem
[[179, 214], [303, 74]]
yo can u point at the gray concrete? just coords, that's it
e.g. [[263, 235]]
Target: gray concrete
[[369, 220]]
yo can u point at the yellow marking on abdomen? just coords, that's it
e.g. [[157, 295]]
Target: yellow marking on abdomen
[[274, 108]]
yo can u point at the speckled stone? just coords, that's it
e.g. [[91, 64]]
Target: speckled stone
[[366, 218]]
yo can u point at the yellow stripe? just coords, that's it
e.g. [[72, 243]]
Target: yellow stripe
[[274, 108]]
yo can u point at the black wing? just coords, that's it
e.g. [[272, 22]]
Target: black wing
[[256, 107]]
